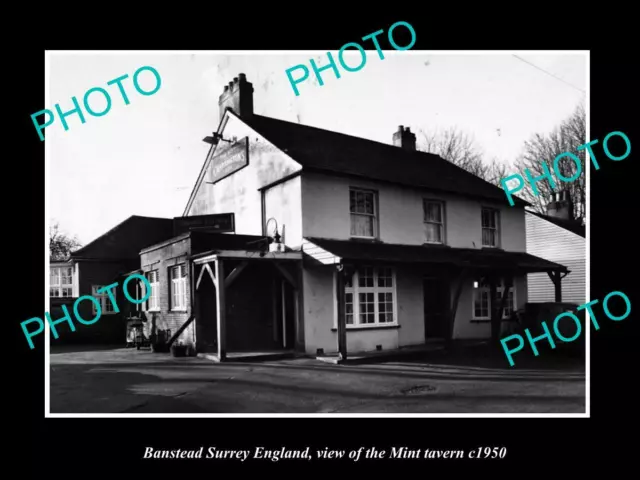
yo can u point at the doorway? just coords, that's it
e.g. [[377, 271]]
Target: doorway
[[436, 307]]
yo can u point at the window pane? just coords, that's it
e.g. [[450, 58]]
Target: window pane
[[433, 232], [361, 225], [55, 276], [385, 278], [488, 237], [368, 203], [348, 282], [433, 212], [365, 277]]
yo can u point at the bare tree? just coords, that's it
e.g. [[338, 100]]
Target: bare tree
[[462, 150], [544, 148], [60, 244]]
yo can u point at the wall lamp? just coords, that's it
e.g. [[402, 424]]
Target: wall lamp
[[215, 138]]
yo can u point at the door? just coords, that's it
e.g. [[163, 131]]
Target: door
[[436, 307]]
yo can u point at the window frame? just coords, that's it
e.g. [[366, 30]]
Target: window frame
[[375, 216], [176, 281], [499, 289], [355, 291], [59, 286], [442, 224], [104, 300], [498, 228], [155, 292]]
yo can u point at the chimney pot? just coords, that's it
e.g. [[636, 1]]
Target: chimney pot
[[237, 96], [404, 139]]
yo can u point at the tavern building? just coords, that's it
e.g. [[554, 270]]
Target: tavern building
[[334, 244]]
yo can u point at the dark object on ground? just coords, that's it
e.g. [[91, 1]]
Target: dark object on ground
[[179, 350], [160, 341]]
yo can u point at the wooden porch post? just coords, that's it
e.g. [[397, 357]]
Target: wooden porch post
[[495, 319], [557, 284], [459, 282], [221, 310], [342, 322]]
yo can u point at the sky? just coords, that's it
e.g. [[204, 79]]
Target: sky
[[144, 158]]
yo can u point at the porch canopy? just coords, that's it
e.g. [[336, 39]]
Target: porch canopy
[[455, 264], [331, 252]]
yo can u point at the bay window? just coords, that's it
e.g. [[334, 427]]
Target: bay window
[[370, 297]]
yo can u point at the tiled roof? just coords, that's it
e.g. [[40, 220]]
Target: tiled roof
[[324, 150]]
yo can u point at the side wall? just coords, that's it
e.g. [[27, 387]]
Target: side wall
[[551, 242], [239, 192], [284, 203], [325, 213], [162, 259]]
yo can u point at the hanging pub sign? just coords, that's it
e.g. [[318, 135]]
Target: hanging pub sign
[[230, 160]]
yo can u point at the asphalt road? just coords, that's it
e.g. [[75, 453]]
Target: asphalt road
[[138, 382]]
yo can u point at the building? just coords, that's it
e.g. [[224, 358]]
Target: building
[[104, 261], [372, 246], [558, 238]]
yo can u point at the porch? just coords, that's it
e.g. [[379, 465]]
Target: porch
[[448, 277], [247, 304]]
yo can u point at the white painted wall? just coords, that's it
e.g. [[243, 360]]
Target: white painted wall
[[554, 243], [284, 203], [325, 211], [238, 193]]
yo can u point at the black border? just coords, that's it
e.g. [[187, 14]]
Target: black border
[[552, 446]]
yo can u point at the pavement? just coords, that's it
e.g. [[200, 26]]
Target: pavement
[[118, 380]]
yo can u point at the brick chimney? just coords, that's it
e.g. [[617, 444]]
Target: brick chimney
[[403, 138], [561, 205], [237, 95]]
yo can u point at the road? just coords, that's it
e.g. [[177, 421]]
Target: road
[[138, 382]]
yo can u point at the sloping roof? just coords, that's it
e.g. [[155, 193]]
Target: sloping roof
[[203, 241], [573, 226], [126, 239], [412, 254], [324, 150]]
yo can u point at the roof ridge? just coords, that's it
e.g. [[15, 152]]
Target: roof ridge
[[412, 157]]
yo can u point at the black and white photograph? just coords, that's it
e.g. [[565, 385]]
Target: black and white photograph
[[238, 233]]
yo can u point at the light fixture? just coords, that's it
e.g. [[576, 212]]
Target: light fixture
[[276, 245], [475, 284], [215, 138]]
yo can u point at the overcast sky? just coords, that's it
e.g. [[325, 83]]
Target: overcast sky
[[143, 158]]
